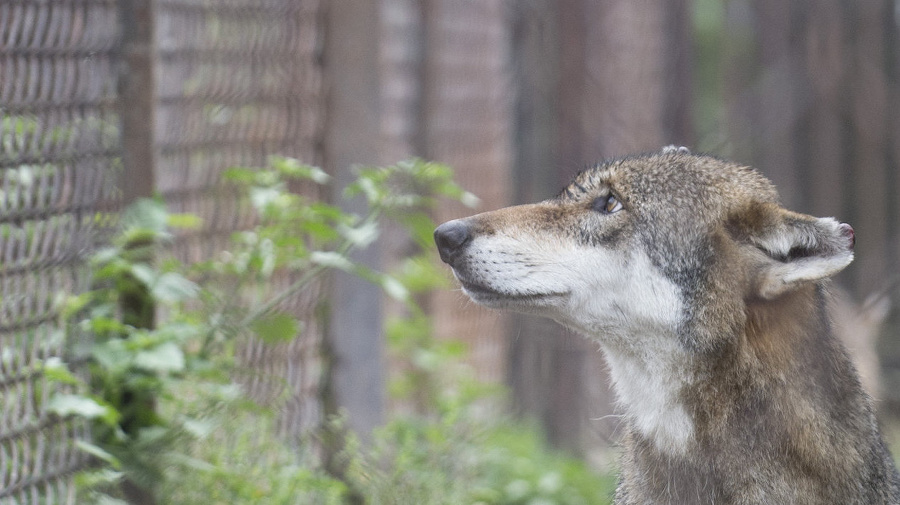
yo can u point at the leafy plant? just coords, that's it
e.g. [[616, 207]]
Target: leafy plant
[[171, 424], [134, 363]]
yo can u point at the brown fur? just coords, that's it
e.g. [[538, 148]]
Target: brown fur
[[762, 404]]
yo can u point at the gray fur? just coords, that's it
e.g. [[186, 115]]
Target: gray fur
[[709, 301]]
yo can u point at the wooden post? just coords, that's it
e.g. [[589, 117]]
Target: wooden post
[[137, 107], [352, 136], [137, 99]]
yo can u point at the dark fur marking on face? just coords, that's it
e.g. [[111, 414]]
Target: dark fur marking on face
[[584, 182], [607, 236]]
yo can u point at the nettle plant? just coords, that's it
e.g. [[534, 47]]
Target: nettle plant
[[129, 367]]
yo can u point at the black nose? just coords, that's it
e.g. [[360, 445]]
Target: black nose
[[451, 237]]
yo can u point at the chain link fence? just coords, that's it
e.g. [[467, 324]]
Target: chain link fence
[[59, 151], [101, 99], [239, 81]]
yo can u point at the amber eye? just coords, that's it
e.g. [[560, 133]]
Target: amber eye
[[607, 204]]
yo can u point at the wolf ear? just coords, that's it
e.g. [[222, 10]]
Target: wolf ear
[[797, 248]]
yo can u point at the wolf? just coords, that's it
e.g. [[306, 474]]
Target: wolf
[[709, 301]]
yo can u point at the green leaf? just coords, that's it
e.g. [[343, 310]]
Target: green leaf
[[361, 236], [192, 463], [90, 479], [111, 355], [365, 186], [320, 231], [65, 405], [179, 331], [420, 227], [147, 214], [75, 304], [331, 260], [140, 237], [263, 197], [105, 255], [469, 200], [7, 357], [550, 483], [294, 168], [172, 287], [99, 453], [239, 174], [394, 288], [149, 436], [276, 327], [101, 325], [420, 274], [198, 428], [164, 358], [318, 175], [57, 371], [144, 273], [185, 221], [327, 212]]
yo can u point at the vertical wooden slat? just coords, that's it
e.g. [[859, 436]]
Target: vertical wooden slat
[[624, 109], [466, 111], [740, 66], [353, 136], [572, 28], [537, 65], [868, 102], [777, 98], [137, 96], [826, 60], [540, 67], [678, 69]]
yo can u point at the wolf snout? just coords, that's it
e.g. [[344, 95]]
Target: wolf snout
[[451, 238]]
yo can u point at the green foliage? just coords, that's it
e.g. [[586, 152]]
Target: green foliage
[[235, 457], [470, 461], [168, 416]]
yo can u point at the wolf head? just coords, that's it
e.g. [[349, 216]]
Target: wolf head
[[664, 243], [706, 297]]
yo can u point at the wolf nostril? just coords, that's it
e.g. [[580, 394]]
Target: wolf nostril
[[450, 238]]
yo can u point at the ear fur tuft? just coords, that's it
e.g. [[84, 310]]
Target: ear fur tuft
[[798, 248]]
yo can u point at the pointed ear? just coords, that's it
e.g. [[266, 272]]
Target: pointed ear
[[796, 248]]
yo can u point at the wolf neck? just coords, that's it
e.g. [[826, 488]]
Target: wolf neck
[[666, 389], [649, 383]]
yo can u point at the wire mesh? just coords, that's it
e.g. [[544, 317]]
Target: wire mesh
[[59, 146], [239, 81]]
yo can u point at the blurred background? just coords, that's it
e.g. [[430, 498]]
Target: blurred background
[[106, 101]]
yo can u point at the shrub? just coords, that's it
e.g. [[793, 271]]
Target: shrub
[[171, 425]]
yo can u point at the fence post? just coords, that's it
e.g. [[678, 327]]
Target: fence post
[[137, 106], [137, 99], [353, 136]]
